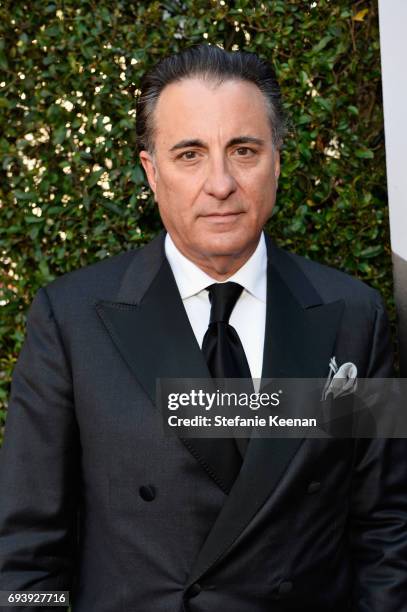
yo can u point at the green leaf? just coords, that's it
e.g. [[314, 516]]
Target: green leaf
[[326, 104], [24, 195], [322, 43], [364, 154], [371, 251], [304, 119], [44, 270], [137, 175], [53, 31], [94, 177], [59, 135], [112, 207], [33, 219], [3, 61]]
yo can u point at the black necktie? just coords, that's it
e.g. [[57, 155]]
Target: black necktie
[[221, 345]]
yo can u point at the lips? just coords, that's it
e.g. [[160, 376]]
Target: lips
[[223, 215]]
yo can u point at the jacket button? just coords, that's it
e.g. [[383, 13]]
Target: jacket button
[[285, 588], [313, 487], [147, 492], [194, 590]]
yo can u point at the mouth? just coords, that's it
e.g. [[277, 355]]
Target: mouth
[[223, 217]]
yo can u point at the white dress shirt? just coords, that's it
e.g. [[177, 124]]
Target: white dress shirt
[[249, 314]]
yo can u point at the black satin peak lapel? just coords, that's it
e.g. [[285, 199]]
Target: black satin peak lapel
[[155, 336], [300, 329], [156, 340]]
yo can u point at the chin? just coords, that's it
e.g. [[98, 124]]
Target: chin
[[226, 244]]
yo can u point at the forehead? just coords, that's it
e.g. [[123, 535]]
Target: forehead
[[198, 108]]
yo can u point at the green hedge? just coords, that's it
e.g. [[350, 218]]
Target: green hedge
[[72, 190]]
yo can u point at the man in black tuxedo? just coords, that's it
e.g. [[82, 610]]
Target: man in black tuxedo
[[94, 498]]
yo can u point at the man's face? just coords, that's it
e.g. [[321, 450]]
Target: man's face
[[214, 170]]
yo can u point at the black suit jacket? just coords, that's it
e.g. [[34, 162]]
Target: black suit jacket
[[96, 500]]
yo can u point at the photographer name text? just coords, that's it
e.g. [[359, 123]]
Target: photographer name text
[[239, 421]]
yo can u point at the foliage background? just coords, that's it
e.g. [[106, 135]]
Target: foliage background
[[71, 187]]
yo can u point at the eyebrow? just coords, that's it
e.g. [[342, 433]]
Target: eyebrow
[[195, 142]]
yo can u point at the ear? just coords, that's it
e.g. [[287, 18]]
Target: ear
[[150, 169], [276, 164]]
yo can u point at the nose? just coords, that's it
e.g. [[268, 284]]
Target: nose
[[219, 182]]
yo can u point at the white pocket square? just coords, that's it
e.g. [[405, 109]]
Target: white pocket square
[[341, 380]]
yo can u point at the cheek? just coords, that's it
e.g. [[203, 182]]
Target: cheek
[[177, 186], [259, 179], [260, 195], [179, 199], [175, 205]]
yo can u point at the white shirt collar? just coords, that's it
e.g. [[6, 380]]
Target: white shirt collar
[[191, 280]]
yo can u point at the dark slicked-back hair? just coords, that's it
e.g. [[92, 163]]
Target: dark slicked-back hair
[[213, 64]]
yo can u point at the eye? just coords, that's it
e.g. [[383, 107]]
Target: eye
[[244, 152], [188, 155]]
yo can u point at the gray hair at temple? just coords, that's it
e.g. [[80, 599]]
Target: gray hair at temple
[[214, 64]]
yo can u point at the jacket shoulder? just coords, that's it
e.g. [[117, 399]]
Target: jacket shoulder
[[102, 280], [331, 283], [97, 278]]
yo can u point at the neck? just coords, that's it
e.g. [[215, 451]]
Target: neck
[[219, 267]]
